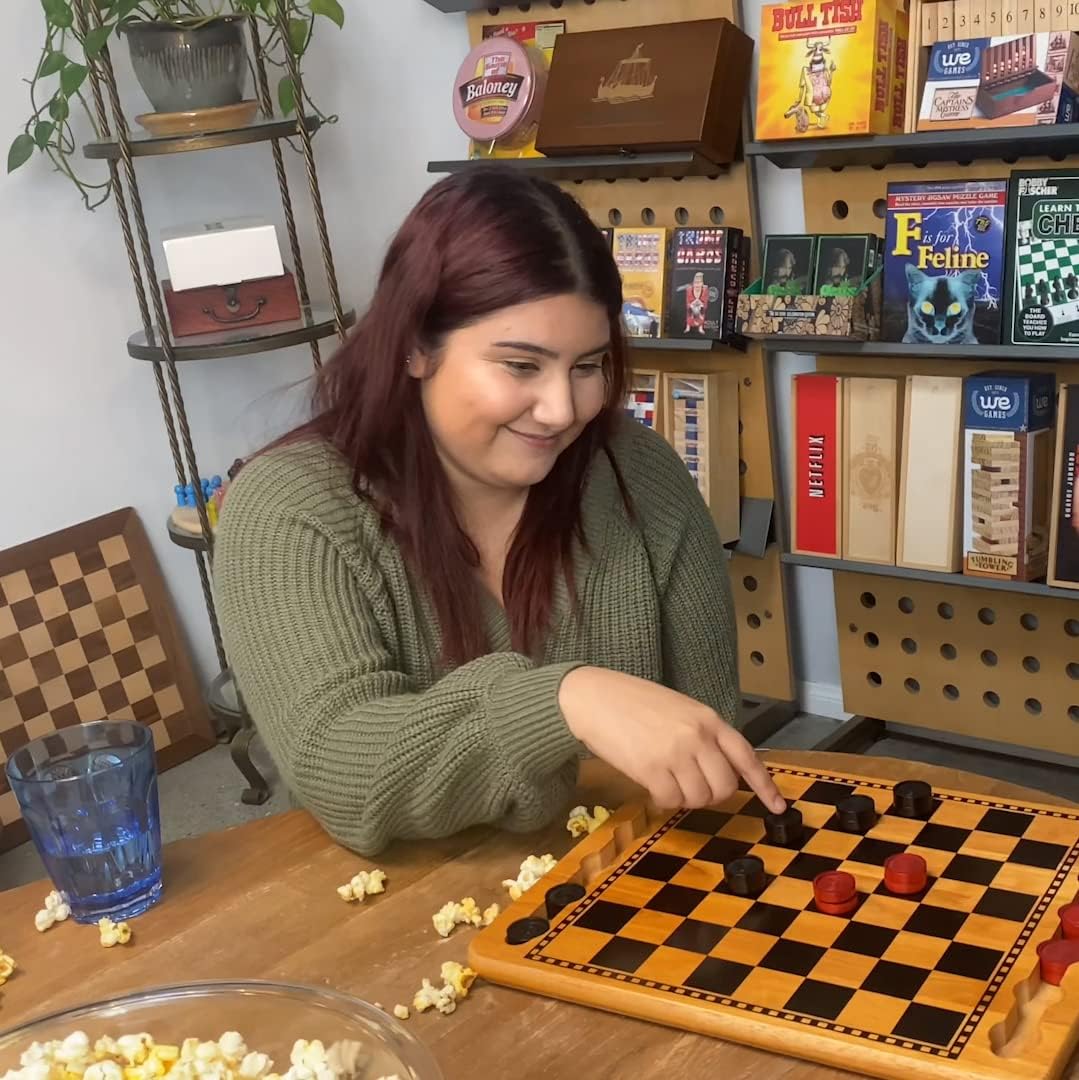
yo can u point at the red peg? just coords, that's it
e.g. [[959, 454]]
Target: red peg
[[835, 892], [905, 874], [1069, 921], [1056, 957]]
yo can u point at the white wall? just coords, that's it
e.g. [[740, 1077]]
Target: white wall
[[81, 431], [80, 426]]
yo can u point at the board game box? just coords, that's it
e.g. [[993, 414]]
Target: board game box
[[826, 69], [944, 262], [1064, 535], [641, 257], [706, 276], [1001, 82], [789, 263], [817, 498], [845, 262], [1042, 286]]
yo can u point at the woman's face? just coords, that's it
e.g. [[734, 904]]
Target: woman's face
[[507, 394]]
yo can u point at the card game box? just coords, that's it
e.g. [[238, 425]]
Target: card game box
[[944, 262], [845, 262], [789, 262], [1064, 533], [1001, 82], [1042, 286], [826, 69], [641, 257], [706, 275], [1007, 471]]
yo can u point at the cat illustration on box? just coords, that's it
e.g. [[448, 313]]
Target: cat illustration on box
[[940, 308]]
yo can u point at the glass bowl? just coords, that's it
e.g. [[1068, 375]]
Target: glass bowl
[[270, 1016]]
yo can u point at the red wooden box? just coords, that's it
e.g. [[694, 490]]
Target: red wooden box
[[817, 502], [222, 307]]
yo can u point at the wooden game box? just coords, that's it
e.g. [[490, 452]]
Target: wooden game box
[[669, 86], [817, 448], [1064, 532], [214, 308], [944, 983], [855, 318], [644, 401]]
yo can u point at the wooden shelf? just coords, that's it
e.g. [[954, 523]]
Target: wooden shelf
[[835, 347], [146, 145], [451, 6], [922, 148], [669, 164], [677, 344], [317, 323], [183, 539], [1030, 588]]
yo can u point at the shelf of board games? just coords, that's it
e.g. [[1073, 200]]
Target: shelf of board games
[[317, 323], [902, 350], [1009, 145], [1028, 588], [156, 145], [670, 165]]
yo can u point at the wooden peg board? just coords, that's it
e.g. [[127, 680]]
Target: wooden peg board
[[725, 198]]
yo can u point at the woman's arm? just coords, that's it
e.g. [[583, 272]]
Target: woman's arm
[[359, 745]]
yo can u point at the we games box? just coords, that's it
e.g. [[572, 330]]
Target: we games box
[[1043, 268], [706, 276], [944, 262]]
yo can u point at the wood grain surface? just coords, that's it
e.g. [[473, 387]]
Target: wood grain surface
[[259, 901]]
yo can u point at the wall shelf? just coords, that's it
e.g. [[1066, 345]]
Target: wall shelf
[[1030, 588], [670, 164], [922, 148], [676, 344], [840, 347], [317, 323], [153, 145], [186, 540]]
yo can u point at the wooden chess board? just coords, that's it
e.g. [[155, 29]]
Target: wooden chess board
[[88, 632], [943, 983]]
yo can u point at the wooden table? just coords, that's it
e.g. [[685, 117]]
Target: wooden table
[[259, 901]]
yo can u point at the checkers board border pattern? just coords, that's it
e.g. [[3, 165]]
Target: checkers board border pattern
[[963, 1033]]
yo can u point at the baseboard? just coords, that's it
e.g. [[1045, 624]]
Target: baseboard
[[822, 699]]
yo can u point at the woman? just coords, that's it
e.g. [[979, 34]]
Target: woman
[[468, 563]]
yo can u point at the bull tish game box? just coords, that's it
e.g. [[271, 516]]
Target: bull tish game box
[[944, 262], [1043, 266], [706, 276]]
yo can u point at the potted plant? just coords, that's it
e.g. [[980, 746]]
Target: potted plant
[[186, 54]]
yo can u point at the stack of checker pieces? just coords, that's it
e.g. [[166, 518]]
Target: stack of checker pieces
[[900, 986], [88, 632]]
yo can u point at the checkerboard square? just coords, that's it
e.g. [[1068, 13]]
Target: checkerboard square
[[108, 610], [865, 938], [696, 936], [718, 976], [7, 621], [13, 738], [793, 957], [26, 613], [941, 837], [651, 926], [51, 603], [927, 1024], [654, 865], [31, 703], [935, 921], [65, 715], [694, 875], [823, 791], [1005, 904], [15, 587], [971, 961], [85, 621], [947, 991], [66, 568], [722, 850], [708, 822], [768, 988], [95, 645], [1038, 853], [1007, 822], [676, 900], [744, 946], [76, 594], [127, 661], [895, 980], [5, 687], [45, 666], [820, 999], [815, 929], [767, 919], [875, 852], [36, 640], [41, 577], [12, 650], [968, 868], [61, 630], [123, 576], [113, 698], [80, 681], [90, 708], [21, 677], [887, 911], [916, 950], [844, 968], [142, 625], [132, 601], [788, 893], [90, 560], [607, 917], [872, 1012]]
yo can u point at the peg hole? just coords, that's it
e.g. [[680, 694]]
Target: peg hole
[[753, 620], [749, 583], [948, 651], [648, 216], [945, 611], [1028, 621], [912, 685], [715, 215], [987, 616], [991, 698], [874, 679], [614, 216], [871, 640], [880, 208], [1032, 664], [909, 646], [840, 209], [757, 658], [989, 658], [681, 215], [1073, 671], [906, 605], [1033, 706], [951, 692]]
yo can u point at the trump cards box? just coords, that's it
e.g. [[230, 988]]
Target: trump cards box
[[817, 498], [706, 273], [1007, 471]]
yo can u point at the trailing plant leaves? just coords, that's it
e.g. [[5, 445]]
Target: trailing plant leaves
[[51, 64], [58, 12], [298, 30], [72, 77], [269, 7], [96, 40], [43, 130], [331, 9], [286, 95], [58, 109], [123, 9], [19, 152]]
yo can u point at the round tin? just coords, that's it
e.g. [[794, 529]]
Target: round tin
[[498, 92]]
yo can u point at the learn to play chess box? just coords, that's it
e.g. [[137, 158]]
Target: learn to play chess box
[[944, 262], [826, 68], [1008, 81], [707, 273], [1042, 287], [1064, 534], [1007, 473]]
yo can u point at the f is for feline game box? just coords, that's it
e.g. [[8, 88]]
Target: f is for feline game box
[[944, 262]]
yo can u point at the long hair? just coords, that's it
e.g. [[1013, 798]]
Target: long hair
[[477, 242]]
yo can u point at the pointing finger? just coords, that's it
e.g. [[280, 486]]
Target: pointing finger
[[744, 759]]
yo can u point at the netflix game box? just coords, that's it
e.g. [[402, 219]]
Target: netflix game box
[[817, 502]]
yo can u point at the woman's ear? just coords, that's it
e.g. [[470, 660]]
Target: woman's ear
[[418, 364]]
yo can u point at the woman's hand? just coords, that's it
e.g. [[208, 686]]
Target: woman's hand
[[677, 748]]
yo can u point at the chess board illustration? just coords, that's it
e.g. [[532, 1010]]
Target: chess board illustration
[[1047, 272], [87, 632], [655, 916]]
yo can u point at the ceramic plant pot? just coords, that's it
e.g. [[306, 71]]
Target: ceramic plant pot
[[196, 64]]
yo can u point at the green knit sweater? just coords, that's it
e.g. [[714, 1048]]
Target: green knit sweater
[[335, 647]]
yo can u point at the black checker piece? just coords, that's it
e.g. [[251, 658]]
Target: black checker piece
[[657, 866]]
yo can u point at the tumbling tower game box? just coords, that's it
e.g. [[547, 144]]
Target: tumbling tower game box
[[826, 68], [1043, 247], [944, 262]]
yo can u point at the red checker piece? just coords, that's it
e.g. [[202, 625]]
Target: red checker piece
[[904, 874], [835, 892], [1069, 922], [1056, 957]]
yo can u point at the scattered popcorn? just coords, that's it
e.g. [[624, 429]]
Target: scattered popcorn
[[401, 1012], [54, 911], [428, 996], [491, 913], [7, 967], [113, 933], [460, 978], [452, 914], [581, 823], [532, 869], [363, 884]]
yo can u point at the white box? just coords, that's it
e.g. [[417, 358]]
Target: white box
[[221, 253]]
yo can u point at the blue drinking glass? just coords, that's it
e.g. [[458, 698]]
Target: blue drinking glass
[[89, 797]]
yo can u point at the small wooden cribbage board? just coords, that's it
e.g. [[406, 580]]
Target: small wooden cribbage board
[[944, 983]]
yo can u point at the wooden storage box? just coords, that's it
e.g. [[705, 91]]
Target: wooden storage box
[[816, 499], [228, 307], [670, 86], [644, 401], [1064, 533], [854, 317]]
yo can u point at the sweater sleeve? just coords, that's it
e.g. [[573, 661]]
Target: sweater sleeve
[[372, 755]]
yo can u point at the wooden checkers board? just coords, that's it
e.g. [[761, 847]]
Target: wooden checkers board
[[928, 985], [87, 632]]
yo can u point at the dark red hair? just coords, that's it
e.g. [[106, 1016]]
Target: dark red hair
[[477, 242]]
